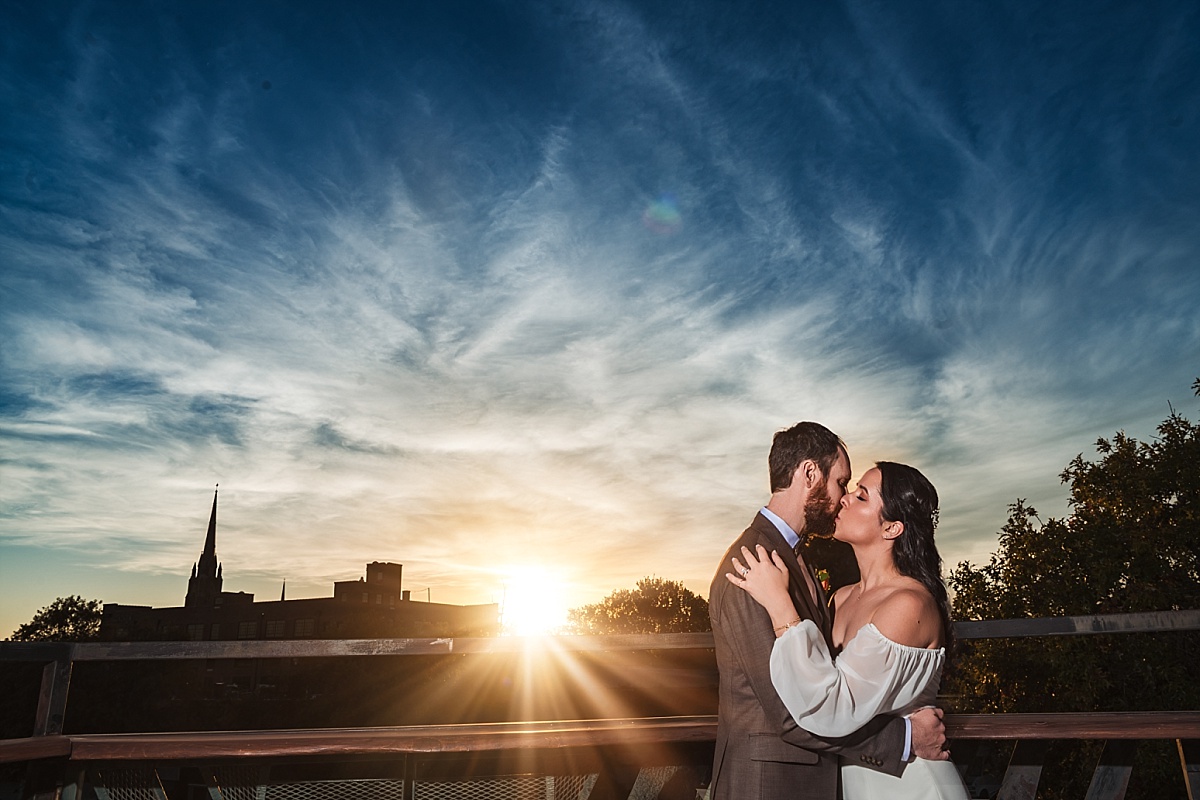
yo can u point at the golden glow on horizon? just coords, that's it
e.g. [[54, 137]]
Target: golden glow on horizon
[[534, 602]]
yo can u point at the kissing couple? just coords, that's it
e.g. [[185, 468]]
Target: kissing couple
[[809, 683]]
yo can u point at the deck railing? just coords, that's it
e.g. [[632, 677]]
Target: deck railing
[[587, 758]]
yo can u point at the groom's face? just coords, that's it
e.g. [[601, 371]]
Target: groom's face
[[825, 499]]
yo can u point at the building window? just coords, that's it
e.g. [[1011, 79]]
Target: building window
[[391, 601], [378, 599], [247, 630], [275, 628], [366, 597], [305, 627], [195, 631]]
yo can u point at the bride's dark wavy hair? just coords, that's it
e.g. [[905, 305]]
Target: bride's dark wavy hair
[[910, 498]]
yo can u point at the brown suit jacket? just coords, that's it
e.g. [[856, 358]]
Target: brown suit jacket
[[761, 752]]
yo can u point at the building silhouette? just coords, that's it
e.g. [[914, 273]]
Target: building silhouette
[[372, 607]]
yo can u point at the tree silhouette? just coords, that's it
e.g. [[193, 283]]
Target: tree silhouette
[[1130, 543], [655, 606], [67, 619]]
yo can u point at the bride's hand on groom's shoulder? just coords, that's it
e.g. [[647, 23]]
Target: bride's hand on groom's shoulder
[[764, 576]]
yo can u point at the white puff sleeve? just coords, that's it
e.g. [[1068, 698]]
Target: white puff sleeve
[[872, 676]]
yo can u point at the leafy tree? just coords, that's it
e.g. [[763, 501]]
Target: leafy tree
[[67, 619], [655, 606], [1130, 543]]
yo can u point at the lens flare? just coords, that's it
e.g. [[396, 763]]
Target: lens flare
[[662, 216]]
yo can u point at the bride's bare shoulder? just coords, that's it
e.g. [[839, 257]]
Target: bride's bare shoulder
[[909, 616], [843, 594]]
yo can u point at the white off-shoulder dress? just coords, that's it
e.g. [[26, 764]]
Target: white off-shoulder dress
[[873, 675]]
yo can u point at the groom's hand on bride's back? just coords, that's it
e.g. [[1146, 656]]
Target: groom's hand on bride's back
[[929, 735]]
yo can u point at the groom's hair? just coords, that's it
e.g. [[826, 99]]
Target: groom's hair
[[804, 441]]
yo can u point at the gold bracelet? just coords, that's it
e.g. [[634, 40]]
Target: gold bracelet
[[791, 624]]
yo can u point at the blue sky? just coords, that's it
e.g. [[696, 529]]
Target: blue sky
[[489, 288]]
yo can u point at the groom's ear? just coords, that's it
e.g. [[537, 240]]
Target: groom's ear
[[809, 472]]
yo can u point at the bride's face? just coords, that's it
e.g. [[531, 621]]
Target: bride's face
[[860, 518]]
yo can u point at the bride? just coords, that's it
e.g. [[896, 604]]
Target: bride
[[891, 630]]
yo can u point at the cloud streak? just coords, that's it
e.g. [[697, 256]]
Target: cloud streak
[[393, 288]]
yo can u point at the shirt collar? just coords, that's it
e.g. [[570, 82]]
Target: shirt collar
[[790, 535]]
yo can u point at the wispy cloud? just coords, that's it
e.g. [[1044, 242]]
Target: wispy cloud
[[403, 304]]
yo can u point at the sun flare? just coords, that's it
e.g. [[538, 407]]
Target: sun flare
[[534, 602]]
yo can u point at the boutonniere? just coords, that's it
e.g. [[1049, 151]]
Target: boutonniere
[[823, 577]]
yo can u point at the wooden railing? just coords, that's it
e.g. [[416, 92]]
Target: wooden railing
[[176, 746], [49, 744]]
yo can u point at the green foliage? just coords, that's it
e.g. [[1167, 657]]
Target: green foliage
[[1131, 543], [67, 619], [655, 606]]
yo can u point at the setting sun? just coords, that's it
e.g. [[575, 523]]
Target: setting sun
[[534, 602]]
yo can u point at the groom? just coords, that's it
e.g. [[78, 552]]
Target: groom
[[761, 752]]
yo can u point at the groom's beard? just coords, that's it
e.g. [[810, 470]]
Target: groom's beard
[[820, 515]]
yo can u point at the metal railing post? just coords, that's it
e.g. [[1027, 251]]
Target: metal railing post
[[1024, 771], [46, 781], [52, 701], [1111, 778], [1189, 758]]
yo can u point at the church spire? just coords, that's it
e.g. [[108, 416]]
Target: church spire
[[204, 587], [210, 541], [207, 567]]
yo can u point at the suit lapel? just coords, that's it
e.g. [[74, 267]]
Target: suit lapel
[[797, 585], [825, 619]]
